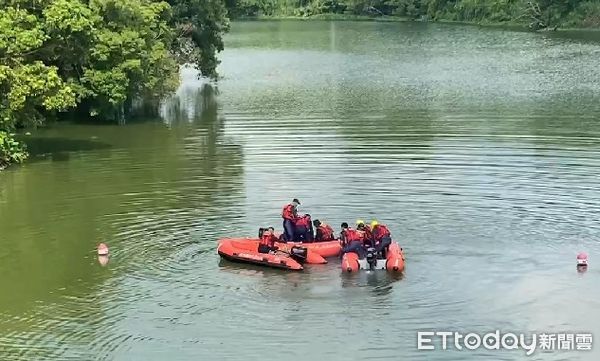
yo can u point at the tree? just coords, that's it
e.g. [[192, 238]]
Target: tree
[[28, 87], [98, 57], [200, 25], [128, 58]]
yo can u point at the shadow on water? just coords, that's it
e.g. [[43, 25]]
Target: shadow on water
[[591, 36], [269, 279], [59, 149], [381, 282], [242, 268]]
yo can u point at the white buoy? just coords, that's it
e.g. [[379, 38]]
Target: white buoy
[[582, 259], [102, 249]]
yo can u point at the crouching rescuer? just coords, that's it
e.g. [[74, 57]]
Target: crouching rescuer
[[352, 241], [382, 237], [323, 231], [267, 241]]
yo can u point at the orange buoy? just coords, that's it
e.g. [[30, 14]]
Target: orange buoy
[[102, 249]]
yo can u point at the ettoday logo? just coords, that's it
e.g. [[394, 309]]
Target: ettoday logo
[[508, 341]]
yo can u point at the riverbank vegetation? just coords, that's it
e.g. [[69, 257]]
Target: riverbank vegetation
[[97, 58], [102, 59], [535, 14]]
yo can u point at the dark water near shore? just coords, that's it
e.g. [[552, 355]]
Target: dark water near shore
[[480, 148]]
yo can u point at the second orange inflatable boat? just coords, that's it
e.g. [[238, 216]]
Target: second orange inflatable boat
[[246, 250], [393, 262], [247, 253], [323, 249]]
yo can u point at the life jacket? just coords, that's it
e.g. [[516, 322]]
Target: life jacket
[[303, 222], [268, 239], [352, 235], [368, 233], [289, 212], [325, 231], [381, 231]]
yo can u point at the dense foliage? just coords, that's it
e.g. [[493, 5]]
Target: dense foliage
[[199, 25], [538, 14], [11, 151], [97, 57]]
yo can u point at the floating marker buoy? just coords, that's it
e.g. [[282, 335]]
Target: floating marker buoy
[[102, 249], [582, 259]]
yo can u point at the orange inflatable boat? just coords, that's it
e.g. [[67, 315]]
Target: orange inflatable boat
[[290, 257], [323, 249], [394, 261]]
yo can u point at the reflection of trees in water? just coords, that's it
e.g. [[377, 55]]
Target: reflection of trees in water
[[192, 114], [147, 171], [191, 105], [562, 118], [197, 106]]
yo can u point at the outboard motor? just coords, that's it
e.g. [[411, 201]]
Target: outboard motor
[[371, 257], [299, 254]]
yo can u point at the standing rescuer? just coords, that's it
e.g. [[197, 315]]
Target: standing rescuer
[[290, 216]]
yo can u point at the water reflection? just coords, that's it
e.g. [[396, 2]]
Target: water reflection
[[60, 148], [478, 148], [381, 282], [192, 105], [103, 260], [159, 192]]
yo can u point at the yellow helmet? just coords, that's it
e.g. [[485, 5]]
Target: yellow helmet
[[359, 222], [374, 224]]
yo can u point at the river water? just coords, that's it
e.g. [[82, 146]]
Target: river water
[[480, 148]]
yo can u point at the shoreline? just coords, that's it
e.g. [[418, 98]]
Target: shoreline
[[587, 34], [516, 26]]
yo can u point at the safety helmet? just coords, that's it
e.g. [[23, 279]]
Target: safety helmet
[[374, 224], [359, 222]]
